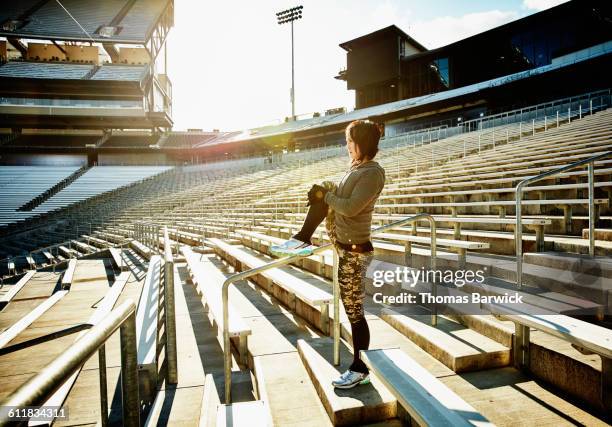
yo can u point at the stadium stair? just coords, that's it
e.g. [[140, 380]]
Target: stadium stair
[[466, 359]]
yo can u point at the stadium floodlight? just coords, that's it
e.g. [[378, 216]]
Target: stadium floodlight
[[284, 17]]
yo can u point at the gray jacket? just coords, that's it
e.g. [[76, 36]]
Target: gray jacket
[[353, 201]]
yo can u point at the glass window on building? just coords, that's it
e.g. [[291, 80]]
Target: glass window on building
[[440, 65]]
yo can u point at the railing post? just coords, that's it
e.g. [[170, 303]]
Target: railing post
[[227, 352], [579, 111], [169, 310], [129, 373], [103, 386], [518, 233], [336, 309], [557, 118], [433, 266], [532, 127], [591, 174]]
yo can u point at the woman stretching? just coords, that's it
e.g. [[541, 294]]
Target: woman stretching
[[347, 209]]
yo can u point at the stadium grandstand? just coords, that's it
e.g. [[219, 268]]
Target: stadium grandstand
[[137, 285]]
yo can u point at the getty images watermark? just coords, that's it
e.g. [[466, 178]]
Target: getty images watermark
[[410, 277]]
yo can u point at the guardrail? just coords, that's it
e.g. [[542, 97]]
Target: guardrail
[[518, 232], [148, 234], [43, 385], [227, 354]]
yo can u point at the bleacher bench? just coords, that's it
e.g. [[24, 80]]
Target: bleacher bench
[[300, 288], [426, 399], [31, 262], [147, 319], [49, 257], [143, 250], [586, 337], [117, 259], [322, 260], [69, 274], [461, 246], [208, 280]]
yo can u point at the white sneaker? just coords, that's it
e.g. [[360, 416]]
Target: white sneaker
[[350, 379], [292, 247]]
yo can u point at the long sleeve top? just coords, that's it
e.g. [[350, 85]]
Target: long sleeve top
[[353, 201]]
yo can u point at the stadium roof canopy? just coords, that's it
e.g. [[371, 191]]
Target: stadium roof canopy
[[404, 106], [107, 21]]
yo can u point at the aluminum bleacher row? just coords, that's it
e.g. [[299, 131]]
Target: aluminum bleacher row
[[20, 184], [50, 140], [51, 20], [65, 71], [36, 180], [459, 372]]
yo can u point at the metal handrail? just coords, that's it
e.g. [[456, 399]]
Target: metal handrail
[[518, 232], [38, 389], [169, 310], [227, 355], [542, 105]]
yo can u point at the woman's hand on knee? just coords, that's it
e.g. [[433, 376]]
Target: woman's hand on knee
[[329, 186], [316, 194]]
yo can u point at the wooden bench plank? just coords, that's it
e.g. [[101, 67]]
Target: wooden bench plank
[[12, 332], [69, 274], [117, 259], [208, 281], [6, 298], [147, 314]]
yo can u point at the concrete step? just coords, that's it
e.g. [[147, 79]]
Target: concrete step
[[363, 404], [578, 246], [581, 373], [281, 379], [458, 347], [600, 234], [598, 266], [567, 282], [492, 392]]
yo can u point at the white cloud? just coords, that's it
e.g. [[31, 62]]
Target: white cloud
[[443, 30], [541, 4]]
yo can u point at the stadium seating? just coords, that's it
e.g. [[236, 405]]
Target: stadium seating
[[51, 20], [224, 218], [130, 141], [98, 180], [43, 70], [20, 184], [120, 72], [69, 71], [186, 139], [50, 140]]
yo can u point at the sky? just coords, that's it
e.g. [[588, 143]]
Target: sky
[[230, 62]]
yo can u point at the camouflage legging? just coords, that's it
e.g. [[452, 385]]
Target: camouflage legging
[[352, 267]]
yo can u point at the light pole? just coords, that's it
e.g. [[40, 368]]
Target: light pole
[[284, 17]]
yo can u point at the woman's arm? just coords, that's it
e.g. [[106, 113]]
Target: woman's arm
[[366, 189]]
